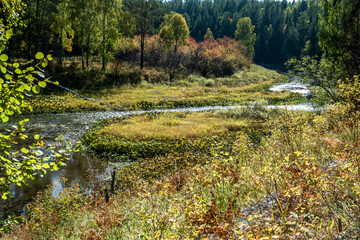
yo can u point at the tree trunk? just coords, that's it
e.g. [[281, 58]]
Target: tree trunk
[[37, 26], [87, 51], [61, 40], [142, 44], [103, 56], [39, 23], [142, 34], [87, 58], [82, 56]]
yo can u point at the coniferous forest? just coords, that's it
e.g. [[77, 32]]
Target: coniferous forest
[[283, 29]]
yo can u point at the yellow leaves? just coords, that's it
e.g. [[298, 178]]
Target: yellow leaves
[[3, 57], [157, 234], [46, 166], [24, 150], [39, 55], [297, 153]]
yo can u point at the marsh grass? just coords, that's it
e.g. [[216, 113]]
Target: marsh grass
[[170, 126], [296, 177], [140, 136], [299, 182], [193, 91]]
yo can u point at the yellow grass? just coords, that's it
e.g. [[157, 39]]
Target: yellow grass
[[174, 126], [249, 85]]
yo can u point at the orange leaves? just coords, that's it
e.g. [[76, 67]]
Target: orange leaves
[[213, 221], [334, 143], [220, 57]]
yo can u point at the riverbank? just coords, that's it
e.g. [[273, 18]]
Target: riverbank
[[280, 183], [194, 91], [270, 173]]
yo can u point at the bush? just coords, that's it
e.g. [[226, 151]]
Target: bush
[[75, 78], [123, 76], [153, 75], [221, 57]]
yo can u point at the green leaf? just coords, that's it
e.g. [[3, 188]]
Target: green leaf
[[44, 63], [36, 89], [27, 87], [49, 57], [3, 70], [4, 118], [16, 65], [45, 165], [24, 150], [21, 88], [42, 84], [8, 76], [9, 112], [59, 138], [37, 137], [4, 57], [39, 55]]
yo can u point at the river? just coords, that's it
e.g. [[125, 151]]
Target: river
[[81, 168]]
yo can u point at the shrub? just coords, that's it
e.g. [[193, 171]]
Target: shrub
[[221, 57], [153, 75], [123, 76]]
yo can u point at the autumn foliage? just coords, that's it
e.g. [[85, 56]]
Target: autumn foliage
[[221, 57], [218, 58]]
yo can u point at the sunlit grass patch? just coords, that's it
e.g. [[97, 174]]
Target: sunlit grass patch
[[174, 126], [135, 137], [161, 97]]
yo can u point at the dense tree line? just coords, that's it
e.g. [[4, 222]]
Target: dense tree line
[[78, 27], [283, 29], [84, 28]]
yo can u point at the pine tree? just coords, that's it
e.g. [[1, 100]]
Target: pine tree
[[245, 33], [208, 35]]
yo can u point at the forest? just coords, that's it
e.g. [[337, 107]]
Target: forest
[[73, 28], [194, 119]]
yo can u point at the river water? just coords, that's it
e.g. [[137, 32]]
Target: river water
[[82, 168]]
